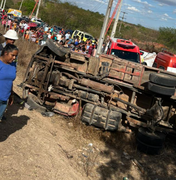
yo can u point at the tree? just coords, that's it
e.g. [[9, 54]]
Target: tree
[[167, 36]]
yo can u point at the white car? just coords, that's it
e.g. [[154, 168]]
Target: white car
[[38, 21], [148, 57]]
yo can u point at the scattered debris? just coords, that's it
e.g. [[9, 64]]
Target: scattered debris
[[134, 162], [28, 106], [125, 178], [20, 85], [88, 158], [126, 155], [69, 156], [70, 124], [47, 114]]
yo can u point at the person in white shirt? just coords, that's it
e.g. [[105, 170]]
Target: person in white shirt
[[59, 36], [67, 35], [25, 25], [49, 35]]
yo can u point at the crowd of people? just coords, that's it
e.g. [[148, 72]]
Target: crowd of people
[[39, 33]]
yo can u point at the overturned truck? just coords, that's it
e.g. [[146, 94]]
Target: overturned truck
[[112, 93]]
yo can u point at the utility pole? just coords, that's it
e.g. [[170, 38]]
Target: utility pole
[[21, 4], [116, 21], [4, 4], [103, 30], [37, 12], [123, 17], [33, 9]]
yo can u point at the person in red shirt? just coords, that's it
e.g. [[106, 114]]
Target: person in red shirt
[[90, 50]]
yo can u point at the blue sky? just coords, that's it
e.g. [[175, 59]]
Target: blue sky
[[149, 13]]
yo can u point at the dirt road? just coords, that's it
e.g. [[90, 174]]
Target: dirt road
[[34, 147]]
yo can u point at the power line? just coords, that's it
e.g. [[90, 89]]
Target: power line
[[96, 8], [123, 17]]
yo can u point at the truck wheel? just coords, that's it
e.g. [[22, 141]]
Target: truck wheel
[[144, 63], [61, 51], [163, 79], [169, 91], [148, 142]]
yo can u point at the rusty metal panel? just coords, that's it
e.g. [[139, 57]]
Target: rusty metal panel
[[126, 71], [97, 86], [77, 57], [93, 66], [104, 59]]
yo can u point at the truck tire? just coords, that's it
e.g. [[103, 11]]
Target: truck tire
[[150, 143], [163, 90], [61, 51], [163, 79], [101, 117]]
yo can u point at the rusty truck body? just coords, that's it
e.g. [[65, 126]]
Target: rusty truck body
[[112, 93]]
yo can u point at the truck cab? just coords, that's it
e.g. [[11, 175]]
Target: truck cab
[[124, 49], [165, 60]]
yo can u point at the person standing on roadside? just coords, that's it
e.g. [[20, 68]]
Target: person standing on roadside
[[44, 38], [90, 50], [9, 22], [59, 36], [4, 21], [7, 76], [10, 38], [67, 35]]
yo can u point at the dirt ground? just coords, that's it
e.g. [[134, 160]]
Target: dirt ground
[[34, 147]]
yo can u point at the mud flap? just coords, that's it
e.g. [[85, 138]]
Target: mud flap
[[101, 117]]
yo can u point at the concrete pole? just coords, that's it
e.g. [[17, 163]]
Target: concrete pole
[[103, 30], [37, 12], [116, 21], [4, 4], [21, 4]]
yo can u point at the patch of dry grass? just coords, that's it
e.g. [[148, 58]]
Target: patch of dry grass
[[26, 50]]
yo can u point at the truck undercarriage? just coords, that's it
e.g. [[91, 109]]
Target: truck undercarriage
[[112, 93]]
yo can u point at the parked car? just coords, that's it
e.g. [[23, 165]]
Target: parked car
[[110, 92], [82, 35], [38, 21], [27, 19], [57, 29], [70, 31], [165, 60], [147, 57]]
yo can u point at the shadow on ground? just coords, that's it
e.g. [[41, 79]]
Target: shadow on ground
[[12, 123], [127, 161]]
